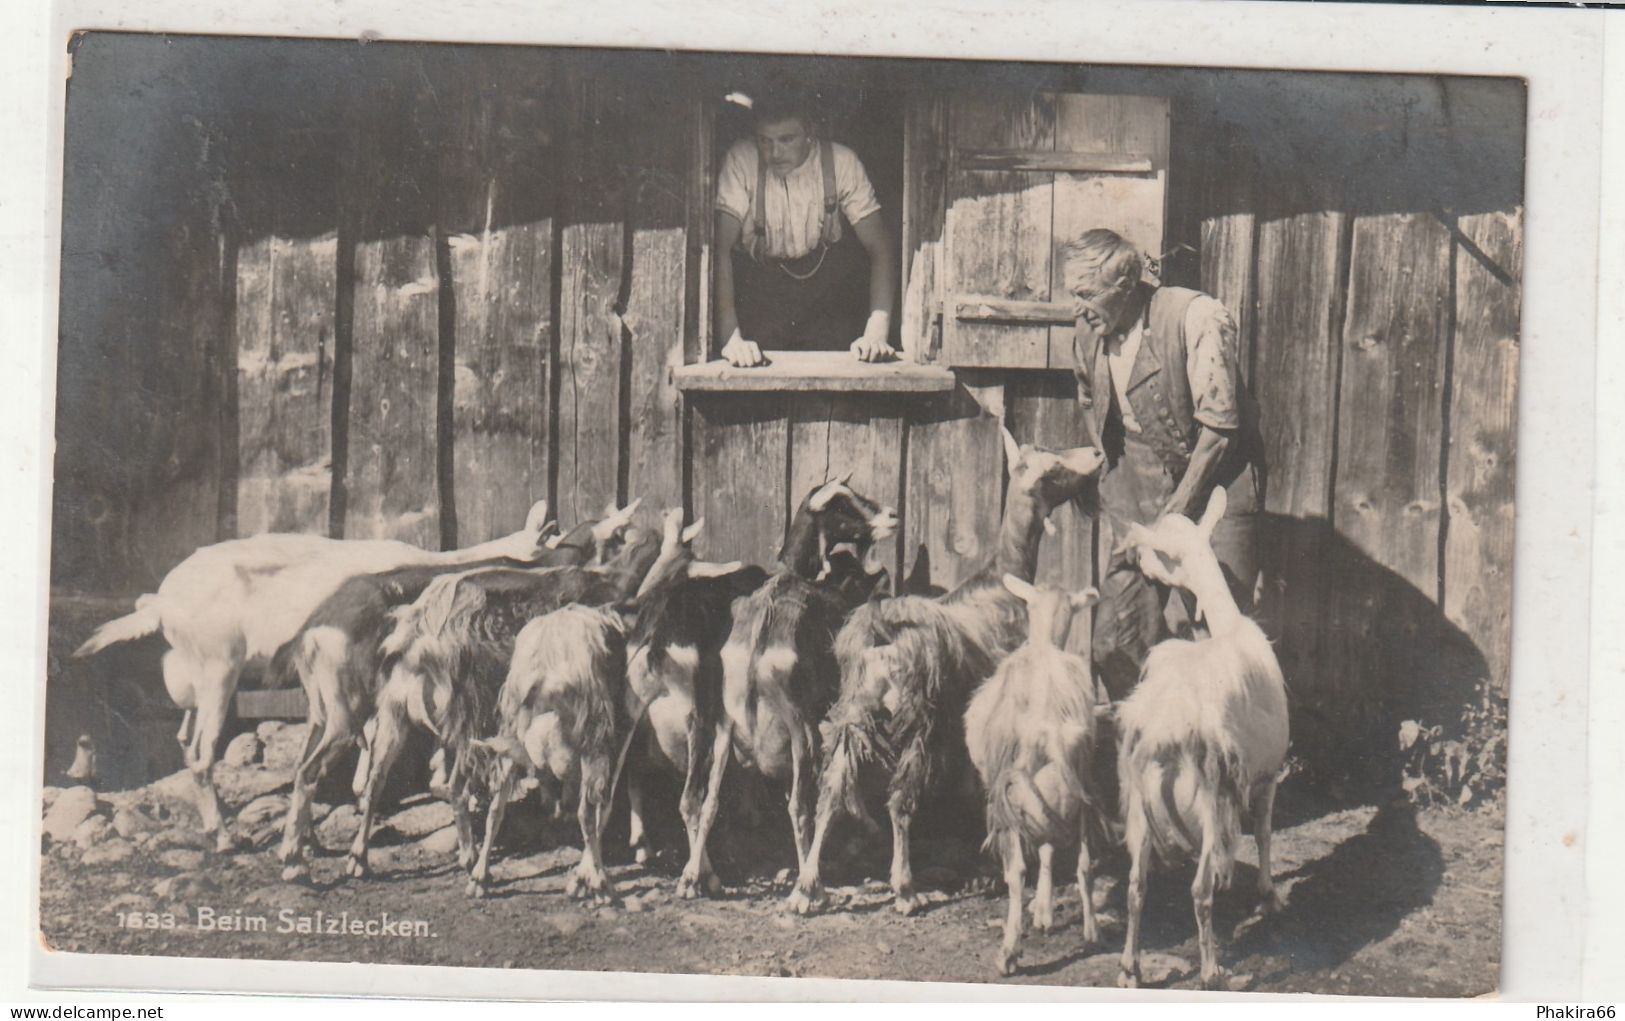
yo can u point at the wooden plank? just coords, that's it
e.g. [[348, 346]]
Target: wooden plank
[[286, 303], [741, 447], [925, 196], [1483, 435], [498, 210], [1300, 273], [1047, 161], [592, 253], [175, 502], [1044, 410], [816, 371], [982, 308], [1134, 206], [657, 293], [999, 229], [272, 704], [1228, 232], [953, 499], [392, 486], [1390, 414], [832, 435]]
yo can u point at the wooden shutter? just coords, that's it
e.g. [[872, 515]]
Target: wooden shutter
[[1027, 173]]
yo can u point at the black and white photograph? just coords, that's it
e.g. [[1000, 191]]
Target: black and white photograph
[[783, 515]]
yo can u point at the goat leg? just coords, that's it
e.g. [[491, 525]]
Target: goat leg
[[1139, 844], [1015, 878], [1043, 903], [901, 807], [697, 876], [1269, 899], [637, 838], [589, 878], [1086, 885], [501, 791], [800, 811], [296, 829], [1213, 977], [388, 738], [808, 895], [216, 688]]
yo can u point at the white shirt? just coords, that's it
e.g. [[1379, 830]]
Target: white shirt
[[1211, 364], [1121, 351], [795, 202]]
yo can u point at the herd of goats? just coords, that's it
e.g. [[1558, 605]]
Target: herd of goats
[[563, 661]]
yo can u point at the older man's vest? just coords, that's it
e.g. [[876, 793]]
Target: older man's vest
[[1158, 390]]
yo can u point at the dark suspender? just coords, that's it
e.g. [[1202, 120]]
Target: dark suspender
[[831, 233]]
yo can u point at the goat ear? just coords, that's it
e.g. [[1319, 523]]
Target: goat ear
[[1216, 504], [823, 494], [536, 520], [693, 531], [1020, 589], [1012, 451], [707, 569]]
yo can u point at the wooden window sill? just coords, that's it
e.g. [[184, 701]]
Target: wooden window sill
[[815, 372]]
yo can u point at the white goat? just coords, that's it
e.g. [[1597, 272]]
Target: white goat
[[1030, 731], [233, 604], [1204, 735]]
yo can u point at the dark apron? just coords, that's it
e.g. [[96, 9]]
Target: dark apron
[[804, 304]]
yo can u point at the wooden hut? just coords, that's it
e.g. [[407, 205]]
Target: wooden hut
[[404, 290]]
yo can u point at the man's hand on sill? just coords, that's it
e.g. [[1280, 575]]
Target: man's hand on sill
[[872, 346], [742, 353]]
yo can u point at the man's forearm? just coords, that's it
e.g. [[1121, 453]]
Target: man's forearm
[[727, 317], [1211, 446]]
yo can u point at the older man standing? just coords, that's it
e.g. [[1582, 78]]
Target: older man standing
[[1159, 374]]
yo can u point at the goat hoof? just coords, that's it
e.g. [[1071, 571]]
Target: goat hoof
[[356, 867], [1127, 979], [641, 855], [688, 887], [906, 903], [1007, 961], [1219, 981], [805, 902], [295, 871], [1271, 903], [713, 885], [475, 889]]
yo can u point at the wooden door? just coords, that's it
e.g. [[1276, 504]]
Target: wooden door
[[1026, 173]]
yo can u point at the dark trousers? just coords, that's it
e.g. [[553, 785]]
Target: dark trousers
[[1134, 613], [825, 311]]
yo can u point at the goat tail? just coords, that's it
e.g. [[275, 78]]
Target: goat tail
[[852, 740], [1189, 797], [1014, 805], [146, 619]]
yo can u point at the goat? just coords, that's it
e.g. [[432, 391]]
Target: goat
[[1203, 736], [561, 709], [778, 674], [335, 658], [1030, 731], [449, 652], [232, 605], [909, 664]]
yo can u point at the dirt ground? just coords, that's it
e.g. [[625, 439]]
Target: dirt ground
[[1389, 901]]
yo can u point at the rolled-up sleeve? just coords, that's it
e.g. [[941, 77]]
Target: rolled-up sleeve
[[852, 187], [1082, 367], [1213, 365], [734, 180]]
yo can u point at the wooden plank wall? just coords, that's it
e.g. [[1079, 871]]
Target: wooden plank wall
[[518, 259]]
